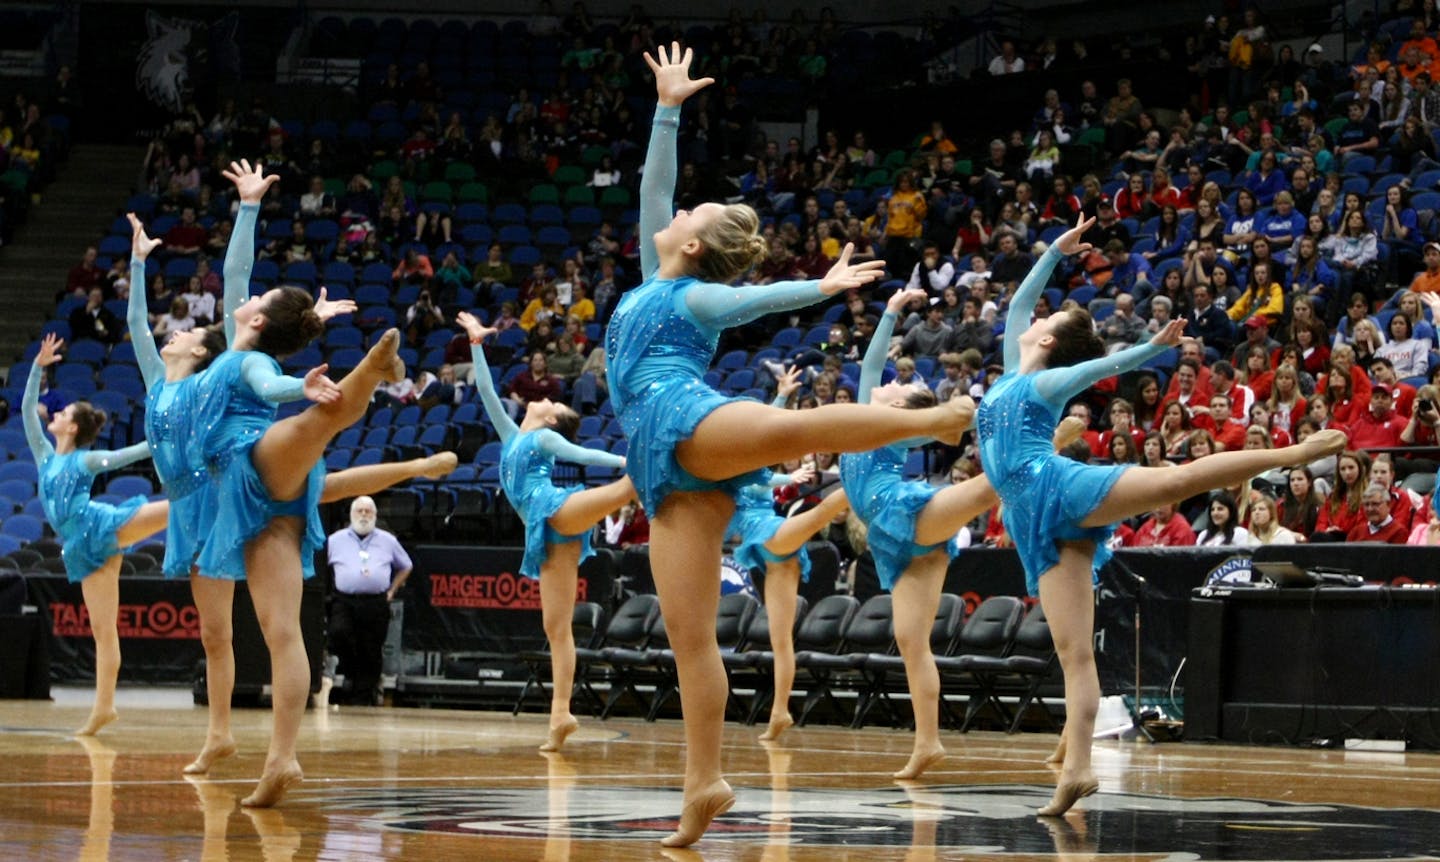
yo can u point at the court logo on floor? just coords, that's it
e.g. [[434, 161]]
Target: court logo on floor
[[975, 819]]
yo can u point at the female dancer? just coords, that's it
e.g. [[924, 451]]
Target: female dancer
[[777, 545], [176, 394], [91, 533], [1061, 512], [910, 525], [266, 524], [558, 520], [693, 448]]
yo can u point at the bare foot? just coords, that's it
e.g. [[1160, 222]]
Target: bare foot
[[559, 733], [919, 762], [214, 750], [273, 785], [699, 811], [96, 721], [959, 415], [439, 465], [384, 357], [1058, 755], [1328, 442], [778, 725], [1068, 431], [1068, 793]]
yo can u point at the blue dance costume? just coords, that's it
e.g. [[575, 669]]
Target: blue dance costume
[[1046, 496], [87, 529], [527, 459], [755, 522], [244, 387], [663, 336], [875, 483]]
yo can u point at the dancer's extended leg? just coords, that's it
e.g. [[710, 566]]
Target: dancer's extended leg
[[743, 436], [792, 535], [782, 582], [374, 478], [916, 597], [292, 446], [101, 589], [148, 520], [558, 576], [272, 566], [1067, 595], [1141, 489], [214, 600], [685, 540], [584, 509], [952, 508]]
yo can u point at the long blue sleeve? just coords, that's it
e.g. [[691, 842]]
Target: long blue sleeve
[[106, 460], [137, 317], [1058, 385], [40, 446], [557, 447], [504, 425], [269, 384], [720, 306], [239, 260], [1022, 304], [657, 185], [873, 365]]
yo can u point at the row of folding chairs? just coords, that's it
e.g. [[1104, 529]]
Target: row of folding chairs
[[841, 646]]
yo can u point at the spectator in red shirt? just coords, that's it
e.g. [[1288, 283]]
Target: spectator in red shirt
[[1341, 511], [1222, 382], [535, 383], [1406, 506], [186, 237], [1221, 423], [1379, 524], [84, 275], [1383, 370], [1380, 426], [1166, 528]]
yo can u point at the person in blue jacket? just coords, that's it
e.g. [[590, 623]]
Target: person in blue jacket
[[1060, 513], [558, 519]]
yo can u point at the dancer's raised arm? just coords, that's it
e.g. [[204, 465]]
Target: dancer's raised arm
[[252, 185], [557, 447], [258, 372], [499, 418], [720, 306], [673, 86], [1058, 385], [152, 367], [1022, 304], [873, 365], [105, 460], [40, 445]]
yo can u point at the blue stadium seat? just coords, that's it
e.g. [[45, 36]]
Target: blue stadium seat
[[87, 351], [268, 272], [348, 439], [23, 469], [525, 255], [489, 453], [24, 527], [337, 459], [433, 438], [508, 214], [301, 272], [129, 486], [368, 457], [372, 294]]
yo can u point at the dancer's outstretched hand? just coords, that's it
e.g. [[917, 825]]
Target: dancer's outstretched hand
[[789, 382], [1170, 335], [50, 350], [326, 309], [844, 275], [1069, 241], [1429, 298], [251, 183], [673, 83], [473, 327], [140, 244], [901, 298], [319, 388]]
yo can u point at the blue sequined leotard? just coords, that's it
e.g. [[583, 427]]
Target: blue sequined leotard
[[527, 460], [875, 483], [663, 336], [1047, 496], [755, 522], [87, 528]]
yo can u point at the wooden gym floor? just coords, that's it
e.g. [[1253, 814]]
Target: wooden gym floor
[[441, 785]]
